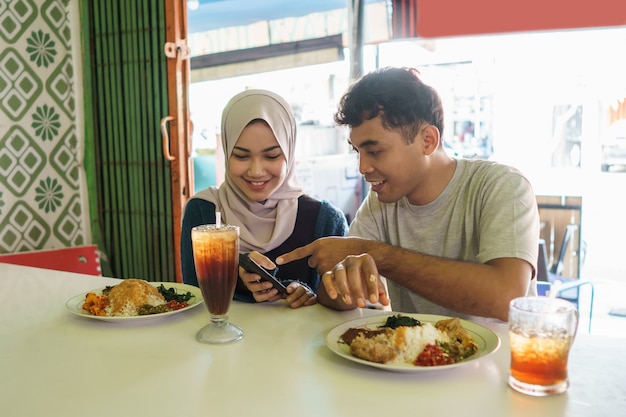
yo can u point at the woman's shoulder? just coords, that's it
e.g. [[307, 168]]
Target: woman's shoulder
[[198, 211], [321, 207], [199, 204], [308, 201], [330, 220]]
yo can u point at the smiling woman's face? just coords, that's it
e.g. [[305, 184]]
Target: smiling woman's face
[[257, 164]]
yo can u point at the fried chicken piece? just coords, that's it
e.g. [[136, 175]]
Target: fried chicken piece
[[372, 349]]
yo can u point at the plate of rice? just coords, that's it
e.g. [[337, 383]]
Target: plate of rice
[[406, 342], [135, 300]]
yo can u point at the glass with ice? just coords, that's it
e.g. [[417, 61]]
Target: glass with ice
[[541, 332], [216, 255]]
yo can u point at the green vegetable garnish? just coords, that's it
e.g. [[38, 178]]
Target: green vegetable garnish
[[146, 309], [170, 294], [399, 320]]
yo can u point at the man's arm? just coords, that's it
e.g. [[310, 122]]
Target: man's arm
[[467, 287]]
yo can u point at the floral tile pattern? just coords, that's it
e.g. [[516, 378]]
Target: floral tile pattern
[[41, 171]]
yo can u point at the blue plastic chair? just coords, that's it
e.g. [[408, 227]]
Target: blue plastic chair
[[567, 288]]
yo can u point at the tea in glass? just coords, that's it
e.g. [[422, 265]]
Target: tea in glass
[[541, 332], [216, 256]]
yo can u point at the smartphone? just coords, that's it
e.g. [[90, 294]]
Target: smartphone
[[250, 265]]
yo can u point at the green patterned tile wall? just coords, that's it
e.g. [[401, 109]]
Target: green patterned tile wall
[[42, 201]]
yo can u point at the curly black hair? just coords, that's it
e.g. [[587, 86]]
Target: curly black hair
[[398, 96]]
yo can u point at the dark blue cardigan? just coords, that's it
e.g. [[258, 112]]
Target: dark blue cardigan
[[315, 219]]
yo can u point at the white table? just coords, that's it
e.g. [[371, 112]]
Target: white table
[[55, 363]]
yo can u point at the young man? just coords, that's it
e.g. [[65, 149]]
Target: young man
[[451, 236]]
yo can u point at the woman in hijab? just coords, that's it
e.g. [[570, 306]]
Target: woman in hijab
[[261, 195]]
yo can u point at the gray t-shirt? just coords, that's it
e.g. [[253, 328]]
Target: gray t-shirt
[[486, 211]]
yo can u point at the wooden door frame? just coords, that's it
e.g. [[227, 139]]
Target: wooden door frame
[[177, 139]]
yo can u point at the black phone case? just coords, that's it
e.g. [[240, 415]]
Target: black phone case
[[251, 266]]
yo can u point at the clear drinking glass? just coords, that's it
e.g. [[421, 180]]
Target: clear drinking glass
[[216, 255], [541, 332]]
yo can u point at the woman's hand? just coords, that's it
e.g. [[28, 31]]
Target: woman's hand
[[261, 290], [300, 296]]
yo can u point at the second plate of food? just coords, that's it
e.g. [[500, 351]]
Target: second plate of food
[[486, 341]]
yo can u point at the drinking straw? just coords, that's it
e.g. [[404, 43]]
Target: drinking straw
[[218, 219], [555, 289]]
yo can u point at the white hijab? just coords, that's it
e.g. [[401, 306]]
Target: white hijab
[[262, 226]]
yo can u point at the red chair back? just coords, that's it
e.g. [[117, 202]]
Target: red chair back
[[80, 259]]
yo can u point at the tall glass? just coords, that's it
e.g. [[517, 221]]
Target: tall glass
[[541, 331], [216, 255]]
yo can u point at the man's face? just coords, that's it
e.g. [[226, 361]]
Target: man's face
[[390, 165]]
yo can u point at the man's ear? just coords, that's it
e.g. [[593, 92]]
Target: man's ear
[[431, 139]]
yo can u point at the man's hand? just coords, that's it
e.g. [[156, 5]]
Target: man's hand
[[324, 253], [352, 282], [349, 275]]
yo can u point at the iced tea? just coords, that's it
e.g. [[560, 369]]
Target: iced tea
[[216, 255], [539, 361], [541, 333]]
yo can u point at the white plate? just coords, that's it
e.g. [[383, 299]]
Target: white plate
[[487, 341], [75, 304]]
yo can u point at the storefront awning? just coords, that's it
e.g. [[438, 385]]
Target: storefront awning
[[446, 18], [237, 37]]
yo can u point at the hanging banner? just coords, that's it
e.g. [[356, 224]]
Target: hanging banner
[[444, 18]]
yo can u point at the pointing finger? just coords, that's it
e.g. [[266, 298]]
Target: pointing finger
[[299, 253]]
